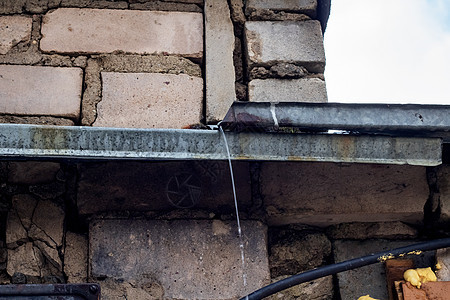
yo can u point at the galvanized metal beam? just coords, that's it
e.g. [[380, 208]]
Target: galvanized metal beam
[[50, 142], [392, 119]]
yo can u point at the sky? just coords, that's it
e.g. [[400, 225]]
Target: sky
[[388, 51]]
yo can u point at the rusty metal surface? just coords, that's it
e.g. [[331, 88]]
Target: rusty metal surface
[[95, 143], [88, 291], [391, 119]]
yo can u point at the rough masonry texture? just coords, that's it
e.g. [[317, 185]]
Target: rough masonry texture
[[220, 75], [188, 259], [149, 100], [327, 193], [13, 30], [287, 90], [300, 43], [152, 186], [44, 91], [74, 30], [299, 6]]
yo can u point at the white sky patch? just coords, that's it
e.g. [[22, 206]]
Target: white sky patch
[[395, 51]]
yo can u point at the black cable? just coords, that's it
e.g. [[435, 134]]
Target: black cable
[[345, 266]]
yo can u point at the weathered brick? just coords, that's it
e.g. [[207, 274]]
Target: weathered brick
[[13, 30], [299, 6], [47, 91], [142, 186], [146, 100], [220, 76], [292, 90], [327, 193], [75, 30], [269, 43], [76, 257], [188, 259]]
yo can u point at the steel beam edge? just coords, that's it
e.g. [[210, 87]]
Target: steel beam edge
[[98, 143]]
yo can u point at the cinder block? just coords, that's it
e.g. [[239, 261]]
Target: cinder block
[[292, 90], [45, 91], [327, 193], [149, 100], [188, 259], [152, 186], [77, 30], [13, 30], [299, 6], [220, 76], [269, 43]]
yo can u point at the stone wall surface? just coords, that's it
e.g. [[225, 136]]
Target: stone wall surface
[[327, 193], [74, 30], [45, 91], [188, 259]]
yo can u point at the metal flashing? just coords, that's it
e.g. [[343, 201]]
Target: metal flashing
[[99, 143]]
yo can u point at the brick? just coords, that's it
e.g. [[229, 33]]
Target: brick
[[299, 6], [188, 259], [220, 75], [138, 186], [269, 43], [292, 90], [47, 91], [75, 30], [149, 100], [13, 30], [327, 193]]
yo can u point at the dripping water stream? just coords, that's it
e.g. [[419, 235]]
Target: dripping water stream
[[241, 240]]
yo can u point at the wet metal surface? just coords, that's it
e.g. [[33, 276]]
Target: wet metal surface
[[93, 143], [392, 119], [89, 291]]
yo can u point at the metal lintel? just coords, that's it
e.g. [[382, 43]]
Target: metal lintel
[[94, 143], [391, 119]]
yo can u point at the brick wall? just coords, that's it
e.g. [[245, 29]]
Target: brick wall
[[162, 64]]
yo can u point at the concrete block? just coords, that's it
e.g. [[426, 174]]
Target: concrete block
[[75, 30], [76, 258], [443, 259], [287, 90], [14, 30], [327, 193], [32, 172], [149, 100], [269, 43], [152, 186], [299, 6], [45, 91], [220, 75], [319, 289], [362, 231], [188, 259], [369, 279]]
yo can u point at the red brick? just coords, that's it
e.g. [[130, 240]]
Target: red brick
[[13, 30]]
